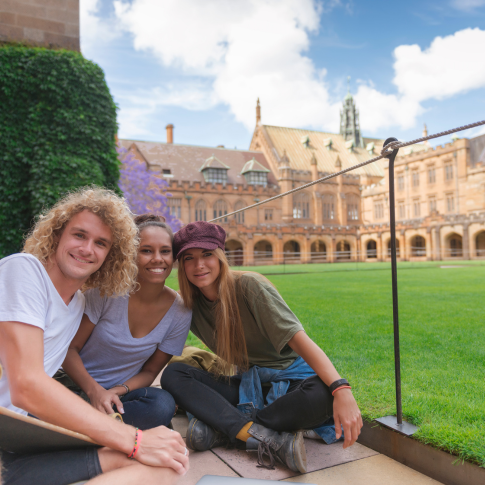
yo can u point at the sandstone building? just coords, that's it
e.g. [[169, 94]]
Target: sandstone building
[[45, 23], [440, 204], [440, 194]]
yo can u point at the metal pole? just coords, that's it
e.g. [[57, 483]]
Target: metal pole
[[395, 306]]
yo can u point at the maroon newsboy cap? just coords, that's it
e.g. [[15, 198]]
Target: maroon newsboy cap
[[201, 234]]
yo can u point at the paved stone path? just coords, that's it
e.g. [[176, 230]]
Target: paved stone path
[[327, 464]]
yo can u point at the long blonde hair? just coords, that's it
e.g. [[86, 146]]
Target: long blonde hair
[[117, 275], [230, 339]]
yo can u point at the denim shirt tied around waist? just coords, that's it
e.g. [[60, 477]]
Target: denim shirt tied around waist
[[251, 392]]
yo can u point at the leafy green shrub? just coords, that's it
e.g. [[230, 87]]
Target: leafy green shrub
[[57, 133]]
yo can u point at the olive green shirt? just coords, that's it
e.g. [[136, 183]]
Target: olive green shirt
[[268, 322]]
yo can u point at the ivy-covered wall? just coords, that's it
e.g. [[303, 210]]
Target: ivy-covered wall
[[57, 132]]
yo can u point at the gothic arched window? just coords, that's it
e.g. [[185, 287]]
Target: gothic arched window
[[240, 216], [200, 211], [328, 202], [220, 209], [301, 206]]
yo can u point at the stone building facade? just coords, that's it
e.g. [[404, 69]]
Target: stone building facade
[[440, 204], [440, 210], [45, 23]]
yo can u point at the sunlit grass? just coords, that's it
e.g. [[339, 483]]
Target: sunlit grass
[[349, 314]]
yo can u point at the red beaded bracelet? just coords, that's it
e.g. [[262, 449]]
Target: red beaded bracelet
[[341, 387], [138, 436]]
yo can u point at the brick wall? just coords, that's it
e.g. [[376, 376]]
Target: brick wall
[[49, 23]]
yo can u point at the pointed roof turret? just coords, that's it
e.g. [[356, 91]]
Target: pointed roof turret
[[425, 133], [284, 160], [258, 113]]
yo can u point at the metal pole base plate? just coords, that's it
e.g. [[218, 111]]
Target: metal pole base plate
[[391, 422]]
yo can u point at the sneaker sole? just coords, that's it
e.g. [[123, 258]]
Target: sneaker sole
[[188, 440], [299, 452]]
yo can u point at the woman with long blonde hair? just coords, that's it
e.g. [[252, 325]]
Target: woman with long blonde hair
[[284, 382]]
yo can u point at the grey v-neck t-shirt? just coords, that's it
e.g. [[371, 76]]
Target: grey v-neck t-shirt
[[112, 355]]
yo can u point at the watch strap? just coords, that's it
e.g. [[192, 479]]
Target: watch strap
[[336, 384]]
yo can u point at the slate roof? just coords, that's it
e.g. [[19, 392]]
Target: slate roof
[[300, 151], [185, 161]]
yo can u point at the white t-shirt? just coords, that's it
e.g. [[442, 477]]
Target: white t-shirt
[[112, 355], [28, 295]]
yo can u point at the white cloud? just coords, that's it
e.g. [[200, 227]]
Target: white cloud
[[378, 110], [94, 30], [467, 5], [250, 48], [450, 66], [139, 108], [234, 52]]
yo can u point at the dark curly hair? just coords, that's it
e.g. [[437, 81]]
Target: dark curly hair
[[146, 220]]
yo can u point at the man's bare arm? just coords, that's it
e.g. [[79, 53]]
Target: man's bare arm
[[31, 389]]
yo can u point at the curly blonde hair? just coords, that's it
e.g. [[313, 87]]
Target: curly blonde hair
[[117, 275]]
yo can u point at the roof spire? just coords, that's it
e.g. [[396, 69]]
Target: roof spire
[[258, 113], [349, 120], [425, 133]]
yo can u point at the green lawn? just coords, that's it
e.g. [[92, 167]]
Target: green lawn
[[349, 314]]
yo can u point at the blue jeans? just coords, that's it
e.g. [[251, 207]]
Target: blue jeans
[[55, 468], [148, 407], [145, 408]]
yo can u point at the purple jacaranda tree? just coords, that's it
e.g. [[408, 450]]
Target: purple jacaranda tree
[[144, 191]]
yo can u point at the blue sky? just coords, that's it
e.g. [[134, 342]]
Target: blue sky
[[201, 64]]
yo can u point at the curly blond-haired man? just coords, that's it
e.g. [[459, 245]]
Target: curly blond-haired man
[[87, 240]]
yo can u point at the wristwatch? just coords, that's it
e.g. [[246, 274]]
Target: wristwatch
[[338, 383]]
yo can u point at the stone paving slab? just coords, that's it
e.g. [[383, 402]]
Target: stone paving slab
[[180, 423], [374, 470], [319, 455], [204, 463]]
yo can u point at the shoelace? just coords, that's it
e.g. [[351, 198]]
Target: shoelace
[[264, 449]]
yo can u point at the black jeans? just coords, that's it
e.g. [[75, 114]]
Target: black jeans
[[56, 468], [307, 404]]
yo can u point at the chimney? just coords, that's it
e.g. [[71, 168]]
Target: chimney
[[169, 129]]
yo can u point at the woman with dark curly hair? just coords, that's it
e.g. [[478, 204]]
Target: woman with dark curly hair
[[123, 343]]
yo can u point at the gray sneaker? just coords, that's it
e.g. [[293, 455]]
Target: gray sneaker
[[287, 448], [202, 437]]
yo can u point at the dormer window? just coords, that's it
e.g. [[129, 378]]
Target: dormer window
[[255, 173], [214, 171], [257, 178], [305, 140], [215, 175]]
